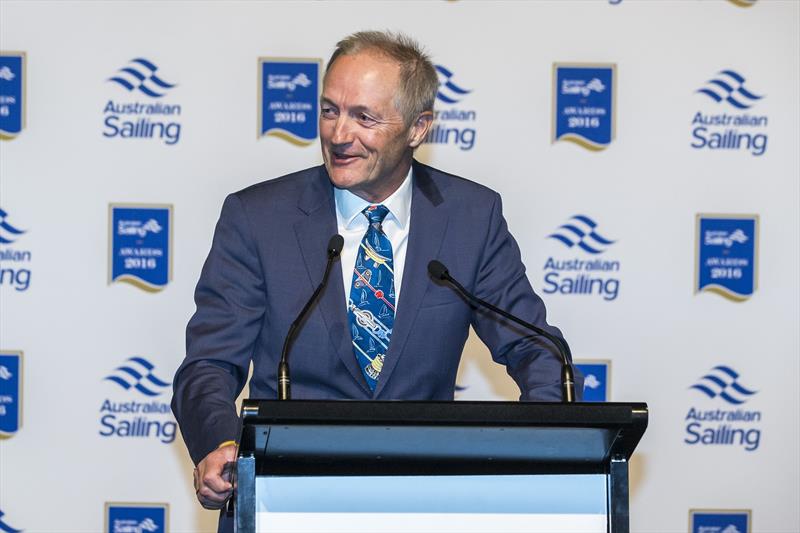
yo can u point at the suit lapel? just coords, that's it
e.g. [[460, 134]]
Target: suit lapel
[[313, 233], [428, 225]]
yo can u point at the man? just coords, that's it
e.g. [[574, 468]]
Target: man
[[382, 329]]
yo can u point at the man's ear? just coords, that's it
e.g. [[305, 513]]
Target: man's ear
[[420, 128]]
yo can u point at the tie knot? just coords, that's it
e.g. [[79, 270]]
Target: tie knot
[[376, 213]]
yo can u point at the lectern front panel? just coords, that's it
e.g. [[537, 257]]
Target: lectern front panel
[[445, 504]]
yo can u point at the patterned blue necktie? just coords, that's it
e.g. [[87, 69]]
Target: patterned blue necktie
[[371, 303]]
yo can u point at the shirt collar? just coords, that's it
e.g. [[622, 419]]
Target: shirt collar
[[349, 206]]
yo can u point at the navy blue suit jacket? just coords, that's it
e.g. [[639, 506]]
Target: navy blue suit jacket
[[269, 254]]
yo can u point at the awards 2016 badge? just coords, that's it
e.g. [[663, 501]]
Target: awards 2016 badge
[[140, 245], [10, 393], [12, 94], [597, 376], [288, 99], [584, 104], [720, 520], [727, 254], [123, 517]]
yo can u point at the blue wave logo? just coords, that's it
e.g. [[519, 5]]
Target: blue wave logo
[[137, 374], [592, 382], [729, 86], [5, 528], [8, 233], [722, 382], [148, 525], [449, 92], [140, 75], [6, 74], [580, 231]]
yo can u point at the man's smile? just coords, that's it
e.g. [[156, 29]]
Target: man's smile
[[341, 158]]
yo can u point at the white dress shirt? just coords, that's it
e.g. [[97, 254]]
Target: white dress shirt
[[353, 224]]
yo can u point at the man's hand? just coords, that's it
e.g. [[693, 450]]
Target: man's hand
[[212, 489]]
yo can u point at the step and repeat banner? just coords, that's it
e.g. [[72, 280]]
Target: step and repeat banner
[[648, 155]]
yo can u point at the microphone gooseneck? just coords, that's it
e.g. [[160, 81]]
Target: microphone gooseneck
[[335, 245], [439, 272]]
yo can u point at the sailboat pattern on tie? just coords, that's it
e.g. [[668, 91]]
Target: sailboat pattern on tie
[[371, 310]]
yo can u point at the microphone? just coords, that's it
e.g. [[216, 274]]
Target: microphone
[[439, 272], [335, 245]]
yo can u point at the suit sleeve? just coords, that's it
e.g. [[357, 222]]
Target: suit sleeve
[[532, 361], [220, 337]]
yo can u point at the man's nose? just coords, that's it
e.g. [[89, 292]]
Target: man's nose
[[342, 131]]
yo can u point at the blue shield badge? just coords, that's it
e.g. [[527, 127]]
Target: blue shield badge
[[137, 517], [722, 521], [141, 245], [596, 376], [584, 104], [727, 250], [288, 99], [10, 393], [12, 94]]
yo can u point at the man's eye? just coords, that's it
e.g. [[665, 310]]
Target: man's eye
[[363, 117], [328, 112]]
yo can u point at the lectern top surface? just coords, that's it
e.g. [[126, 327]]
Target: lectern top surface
[[454, 437]]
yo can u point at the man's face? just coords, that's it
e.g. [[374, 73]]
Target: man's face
[[366, 146]]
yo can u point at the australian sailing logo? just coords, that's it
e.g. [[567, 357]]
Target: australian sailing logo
[[288, 99], [5, 528], [734, 127], [151, 118], [141, 245], [584, 102], [728, 425], [452, 125], [136, 410], [585, 273], [727, 255], [15, 262], [12, 94]]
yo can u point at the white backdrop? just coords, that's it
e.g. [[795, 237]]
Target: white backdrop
[[58, 177]]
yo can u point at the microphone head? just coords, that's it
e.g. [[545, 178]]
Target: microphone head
[[335, 245], [437, 270]]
